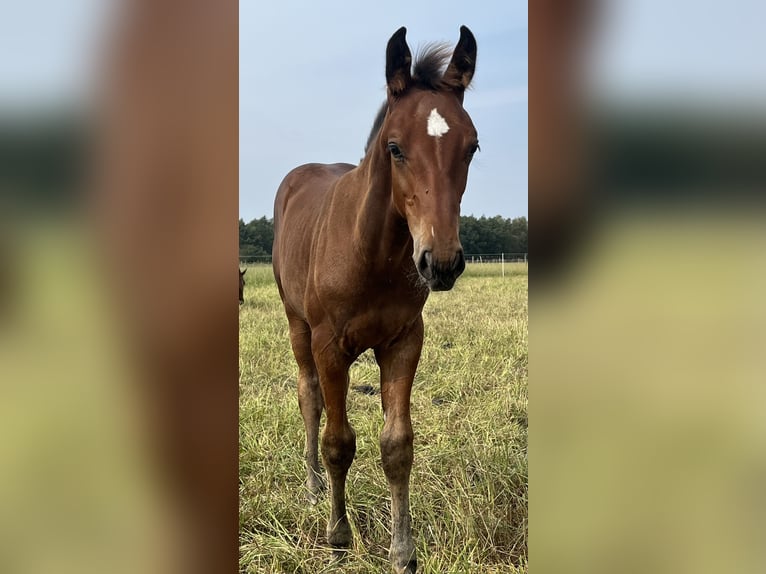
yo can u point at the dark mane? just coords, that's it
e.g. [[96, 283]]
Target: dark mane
[[430, 63], [376, 126], [427, 74]]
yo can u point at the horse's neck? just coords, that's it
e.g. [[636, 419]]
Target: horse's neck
[[379, 229]]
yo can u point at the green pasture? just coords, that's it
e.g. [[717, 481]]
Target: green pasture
[[469, 413]]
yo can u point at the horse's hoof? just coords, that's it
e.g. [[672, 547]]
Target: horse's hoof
[[339, 555], [404, 561], [340, 536], [410, 568], [314, 492]]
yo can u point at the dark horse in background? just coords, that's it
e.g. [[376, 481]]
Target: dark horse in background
[[242, 286], [357, 250]]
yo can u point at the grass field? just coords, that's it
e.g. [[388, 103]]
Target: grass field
[[469, 405]]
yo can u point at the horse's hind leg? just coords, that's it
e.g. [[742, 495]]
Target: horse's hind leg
[[310, 402], [398, 363]]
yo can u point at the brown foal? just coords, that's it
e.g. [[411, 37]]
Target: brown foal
[[357, 250]]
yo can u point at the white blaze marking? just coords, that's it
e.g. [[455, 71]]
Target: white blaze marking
[[432, 231], [437, 125]]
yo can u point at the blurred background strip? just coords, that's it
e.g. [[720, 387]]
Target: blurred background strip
[[118, 321], [647, 318]]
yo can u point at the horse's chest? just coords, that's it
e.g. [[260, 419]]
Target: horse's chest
[[373, 327], [364, 316]]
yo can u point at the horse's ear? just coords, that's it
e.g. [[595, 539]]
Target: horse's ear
[[460, 70], [398, 63]]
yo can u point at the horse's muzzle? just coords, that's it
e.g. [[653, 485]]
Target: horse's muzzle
[[440, 274]]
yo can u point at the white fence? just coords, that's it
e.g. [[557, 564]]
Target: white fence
[[469, 258], [253, 259], [497, 258]]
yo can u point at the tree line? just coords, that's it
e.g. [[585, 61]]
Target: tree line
[[483, 235]]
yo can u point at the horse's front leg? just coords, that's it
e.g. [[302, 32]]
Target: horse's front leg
[[338, 443], [398, 363]]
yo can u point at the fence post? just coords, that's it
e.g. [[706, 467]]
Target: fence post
[[502, 263]]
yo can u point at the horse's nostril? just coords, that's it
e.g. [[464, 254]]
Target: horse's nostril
[[459, 264], [424, 263]]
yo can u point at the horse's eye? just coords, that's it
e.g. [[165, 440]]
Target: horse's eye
[[396, 151]]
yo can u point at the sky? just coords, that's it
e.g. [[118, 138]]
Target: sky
[[704, 53], [312, 74], [312, 77], [49, 51]]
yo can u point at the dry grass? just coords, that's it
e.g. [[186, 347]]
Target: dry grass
[[469, 405]]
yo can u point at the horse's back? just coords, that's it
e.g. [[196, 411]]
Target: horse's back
[[297, 210], [304, 188]]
